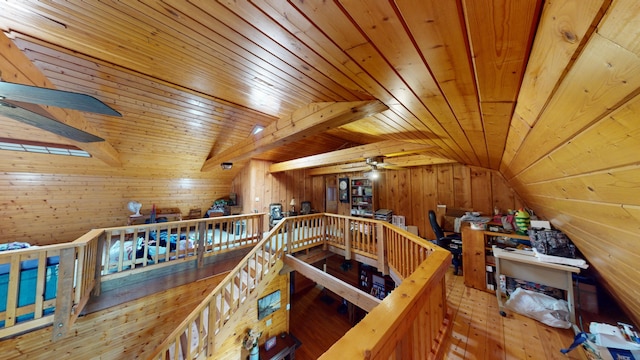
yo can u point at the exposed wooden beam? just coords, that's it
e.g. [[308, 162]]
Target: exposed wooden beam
[[417, 160], [339, 169], [310, 120], [356, 153], [352, 294], [16, 67], [392, 163]]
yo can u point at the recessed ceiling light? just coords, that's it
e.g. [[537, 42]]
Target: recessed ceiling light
[[257, 129]]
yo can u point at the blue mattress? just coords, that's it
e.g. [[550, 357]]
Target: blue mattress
[[27, 287]]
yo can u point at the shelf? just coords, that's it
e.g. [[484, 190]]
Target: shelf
[[362, 197], [477, 255], [509, 235]]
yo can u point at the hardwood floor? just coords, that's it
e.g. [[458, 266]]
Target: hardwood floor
[[316, 323], [479, 332]]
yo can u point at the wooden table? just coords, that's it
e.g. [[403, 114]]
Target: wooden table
[[527, 267]]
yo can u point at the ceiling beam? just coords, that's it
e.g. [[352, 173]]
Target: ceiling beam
[[352, 294], [311, 120], [16, 67], [393, 164], [356, 153]]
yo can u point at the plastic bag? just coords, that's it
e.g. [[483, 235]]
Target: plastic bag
[[541, 307]]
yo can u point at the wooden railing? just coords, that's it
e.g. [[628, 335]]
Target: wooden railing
[[199, 333], [154, 245], [54, 290], [413, 322], [62, 277]]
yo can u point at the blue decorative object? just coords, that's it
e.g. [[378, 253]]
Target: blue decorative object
[[255, 353]]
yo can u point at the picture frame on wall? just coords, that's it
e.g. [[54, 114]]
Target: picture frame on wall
[[343, 190], [269, 304]]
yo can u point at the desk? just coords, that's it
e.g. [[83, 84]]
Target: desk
[[527, 267], [285, 348]]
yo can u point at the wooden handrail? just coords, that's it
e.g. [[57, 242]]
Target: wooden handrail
[[83, 264], [423, 293]]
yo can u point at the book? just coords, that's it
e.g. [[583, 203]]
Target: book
[[560, 260]]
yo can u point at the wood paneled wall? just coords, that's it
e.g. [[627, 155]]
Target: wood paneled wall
[[232, 347], [257, 188], [410, 192], [51, 208], [413, 192], [66, 198]]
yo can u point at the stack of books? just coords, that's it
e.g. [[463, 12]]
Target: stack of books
[[384, 215]]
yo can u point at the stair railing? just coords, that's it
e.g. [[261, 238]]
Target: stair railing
[[415, 323], [197, 335]]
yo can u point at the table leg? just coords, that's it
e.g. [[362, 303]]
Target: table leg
[[499, 289]]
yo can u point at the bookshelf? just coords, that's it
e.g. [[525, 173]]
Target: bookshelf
[[478, 262], [362, 197]]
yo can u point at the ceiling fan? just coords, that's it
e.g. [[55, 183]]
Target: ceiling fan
[[20, 102], [377, 164]]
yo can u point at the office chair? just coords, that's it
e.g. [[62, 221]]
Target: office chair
[[275, 214], [451, 242]]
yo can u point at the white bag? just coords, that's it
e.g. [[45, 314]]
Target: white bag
[[541, 307]]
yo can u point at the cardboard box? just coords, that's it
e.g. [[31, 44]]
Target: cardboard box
[[447, 217]]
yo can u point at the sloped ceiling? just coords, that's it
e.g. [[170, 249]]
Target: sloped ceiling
[[546, 93]]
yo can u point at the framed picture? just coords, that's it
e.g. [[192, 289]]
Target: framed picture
[[268, 304], [343, 186], [270, 343], [305, 207]]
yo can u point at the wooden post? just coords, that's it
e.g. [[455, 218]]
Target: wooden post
[[211, 332], [97, 288], [347, 239], [64, 297], [383, 267], [202, 230]]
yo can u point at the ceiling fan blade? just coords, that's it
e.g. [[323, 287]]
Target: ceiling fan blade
[[391, 166], [29, 114], [52, 97]]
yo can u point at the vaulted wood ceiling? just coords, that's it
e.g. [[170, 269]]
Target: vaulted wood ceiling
[[545, 92], [196, 77]]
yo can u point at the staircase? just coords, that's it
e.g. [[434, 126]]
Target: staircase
[[243, 285], [229, 302]]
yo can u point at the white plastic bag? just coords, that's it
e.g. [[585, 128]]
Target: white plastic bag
[[541, 307]]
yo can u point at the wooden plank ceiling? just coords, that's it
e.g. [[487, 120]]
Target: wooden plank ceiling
[[195, 77]]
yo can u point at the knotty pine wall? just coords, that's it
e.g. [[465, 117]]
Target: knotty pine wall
[[256, 188], [413, 192], [68, 196], [54, 207], [410, 192], [231, 348]]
